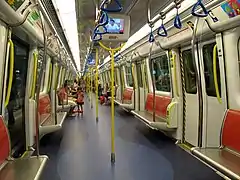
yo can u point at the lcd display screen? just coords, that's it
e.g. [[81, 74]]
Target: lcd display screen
[[115, 26]]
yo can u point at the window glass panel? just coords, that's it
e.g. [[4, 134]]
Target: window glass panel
[[189, 72], [139, 75], [208, 70], [15, 109], [161, 73], [129, 75]]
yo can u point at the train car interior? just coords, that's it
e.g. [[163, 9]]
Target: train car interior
[[120, 89]]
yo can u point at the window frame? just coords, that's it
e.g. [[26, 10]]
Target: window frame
[[186, 48], [149, 74], [125, 76], [201, 45]]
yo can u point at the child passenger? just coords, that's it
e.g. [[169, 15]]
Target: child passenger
[[80, 99]]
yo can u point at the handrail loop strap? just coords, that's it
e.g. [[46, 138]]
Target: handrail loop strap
[[162, 28], [177, 20], [105, 3], [151, 36], [204, 10]]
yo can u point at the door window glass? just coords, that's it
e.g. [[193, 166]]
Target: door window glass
[[129, 75], [189, 72], [139, 75], [16, 107], [208, 70], [161, 73]]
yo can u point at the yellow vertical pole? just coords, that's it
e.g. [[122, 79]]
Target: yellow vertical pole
[[91, 87], [96, 82], [112, 51], [112, 109]]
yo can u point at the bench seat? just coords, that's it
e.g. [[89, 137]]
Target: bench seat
[[223, 160], [17, 169], [147, 118], [23, 169], [126, 106], [50, 126], [226, 159], [47, 119]]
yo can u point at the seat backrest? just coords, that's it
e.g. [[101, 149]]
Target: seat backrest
[[4, 141], [231, 130], [44, 107], [127, 94], [161, 102]]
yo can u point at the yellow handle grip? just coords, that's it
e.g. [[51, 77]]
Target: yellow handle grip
[[35, 58], [10, 79], [215, 74]]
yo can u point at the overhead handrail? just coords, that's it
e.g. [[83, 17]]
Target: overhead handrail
[[11, 69], [215, 74], [104, 4], [177, 20], [35, 59], [195, 8]]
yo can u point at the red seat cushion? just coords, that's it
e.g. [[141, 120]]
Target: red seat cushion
[[231, 130], [4, 142], [162, 103], [44, 107], [127, 94]]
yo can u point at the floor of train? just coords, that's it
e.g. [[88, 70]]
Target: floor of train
[[81, 151]]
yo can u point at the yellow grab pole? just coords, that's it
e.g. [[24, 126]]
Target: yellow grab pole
[[96, 84], [112, 51], [91, 87]]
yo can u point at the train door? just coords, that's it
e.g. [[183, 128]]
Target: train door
[[140, 87], [191, 112], [213, 91], [15, 110]]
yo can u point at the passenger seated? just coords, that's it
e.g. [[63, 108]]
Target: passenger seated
[[63, 97]]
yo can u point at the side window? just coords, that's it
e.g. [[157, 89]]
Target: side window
[[208, 70], [139, 75], [161, 73], [129, 76], [189, 72]]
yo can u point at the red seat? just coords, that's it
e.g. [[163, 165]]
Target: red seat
[[4, 142], [231, 130], [127, 95], [44, 108], [161, 102], [13, 169]]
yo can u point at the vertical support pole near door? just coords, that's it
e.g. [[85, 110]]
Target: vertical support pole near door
[[91, 87], [112, 110], [96, 84]]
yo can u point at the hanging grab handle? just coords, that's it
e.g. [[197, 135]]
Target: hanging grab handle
[[151, 37], [215, 74], [162, 28], [204, 10], [11, 69], [118, 9], [177, 21], [35, 59], [103, 19]]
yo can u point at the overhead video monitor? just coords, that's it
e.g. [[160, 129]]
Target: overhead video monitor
[[118, 28]]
